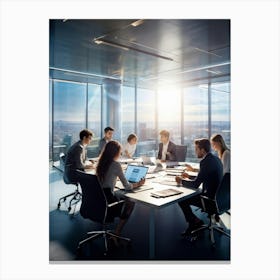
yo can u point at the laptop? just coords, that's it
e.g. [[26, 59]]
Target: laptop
[[149, 160], [134, 174], [165, 193]]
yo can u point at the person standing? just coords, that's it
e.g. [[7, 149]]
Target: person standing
[[210, 175], [76, 157], [167, 149], [108, 136]]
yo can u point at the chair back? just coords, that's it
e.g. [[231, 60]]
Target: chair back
[[94, 203], [223, 194], [181, 152]]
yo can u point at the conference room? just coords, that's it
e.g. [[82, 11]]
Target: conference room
[[152, 78]]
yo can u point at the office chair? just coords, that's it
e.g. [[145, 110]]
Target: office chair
[[76, 194], [181, 152], [96, 208], [213, 207]]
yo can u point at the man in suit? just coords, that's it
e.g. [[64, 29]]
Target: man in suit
[[210, 175], [76, 157], [108, 136], [167, 149]]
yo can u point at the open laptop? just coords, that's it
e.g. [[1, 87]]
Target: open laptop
[[149, 160], [134, 174]]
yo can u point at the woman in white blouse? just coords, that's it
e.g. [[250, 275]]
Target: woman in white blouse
[[130, 147], [219, 145]]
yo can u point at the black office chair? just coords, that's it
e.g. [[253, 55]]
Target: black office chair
[[96, 208], [181, 152], [76, 194], [214, 208]]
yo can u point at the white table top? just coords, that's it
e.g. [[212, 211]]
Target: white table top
[[146, 198]]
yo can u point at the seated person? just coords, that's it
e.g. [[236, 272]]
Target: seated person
[[219, 145], [210, 175], [130, 147], [108, 136], [76, 157], [167, 149], [107, 171]]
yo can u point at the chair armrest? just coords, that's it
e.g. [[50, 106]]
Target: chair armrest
[[207, 198], [115, 203]]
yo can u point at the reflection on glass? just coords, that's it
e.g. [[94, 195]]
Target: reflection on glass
[[69, 116], [146, 122], [195, 117], [94, 118], [220, 99], [127, 112]]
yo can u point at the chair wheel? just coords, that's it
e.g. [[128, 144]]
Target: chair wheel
[[69, 208], [58, 205]]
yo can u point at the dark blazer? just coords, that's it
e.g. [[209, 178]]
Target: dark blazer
[[210, 174], [75, 159], [102, 144], [171, 149]]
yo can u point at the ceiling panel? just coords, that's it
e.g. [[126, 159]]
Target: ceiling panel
[[187, 45]]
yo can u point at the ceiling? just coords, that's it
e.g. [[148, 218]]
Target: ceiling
[[154, 53]]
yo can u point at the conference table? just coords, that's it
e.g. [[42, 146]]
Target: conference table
[[159, 181], [145, 197]]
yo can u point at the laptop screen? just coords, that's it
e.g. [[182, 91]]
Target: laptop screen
[[135, 173]]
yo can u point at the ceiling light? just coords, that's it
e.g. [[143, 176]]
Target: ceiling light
[[127, 48], [137, 22], [213, 72]]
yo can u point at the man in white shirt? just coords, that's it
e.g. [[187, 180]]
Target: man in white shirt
[[167, 149]]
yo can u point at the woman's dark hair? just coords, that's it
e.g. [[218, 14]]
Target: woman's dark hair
[[111, 149]]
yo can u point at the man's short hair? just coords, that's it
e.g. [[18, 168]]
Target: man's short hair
[[203, 143], [164, 133], [85, 133], [108, 128]]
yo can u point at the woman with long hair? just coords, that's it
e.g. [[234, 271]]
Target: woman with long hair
[[108, 170], [219, 145]]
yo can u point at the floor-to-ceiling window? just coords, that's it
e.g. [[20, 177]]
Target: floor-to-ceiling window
[[195, 117], [127, 112], [169, 112], [220, 108], [94, 118], [146, 122], [69, 114]]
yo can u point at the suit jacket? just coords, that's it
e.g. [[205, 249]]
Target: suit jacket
[[210, 174], [75, 159], [102, 144], [171, 149]]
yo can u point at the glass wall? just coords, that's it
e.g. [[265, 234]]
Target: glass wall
[[94, 118], [195, 117], [69, 114], [146, 122], [220, 108], [80, 105], [127, 112]]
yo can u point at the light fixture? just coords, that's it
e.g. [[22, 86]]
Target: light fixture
[[85, 73], [109, 43], [137, 22], [213, 72], [124, 47]]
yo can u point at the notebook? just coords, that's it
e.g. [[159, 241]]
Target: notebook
[[165, 193]]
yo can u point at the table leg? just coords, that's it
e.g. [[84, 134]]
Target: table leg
[[152, 234]]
